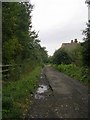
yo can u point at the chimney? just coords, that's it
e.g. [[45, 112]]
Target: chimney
[[71, 41], [75, 41]]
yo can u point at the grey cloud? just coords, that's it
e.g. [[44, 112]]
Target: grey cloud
[[54, 37]]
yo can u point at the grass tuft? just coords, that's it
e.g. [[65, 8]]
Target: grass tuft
[[79, 73], [16, 95]]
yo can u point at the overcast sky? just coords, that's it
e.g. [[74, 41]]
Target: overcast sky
[[59, 21]]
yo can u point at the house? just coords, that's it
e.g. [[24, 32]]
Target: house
[[70, 46]]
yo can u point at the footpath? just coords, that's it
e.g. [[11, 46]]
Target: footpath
[[58, 96]]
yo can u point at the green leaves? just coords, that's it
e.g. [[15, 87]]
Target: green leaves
[[15, 94], [86, 46], [61, 56], [11, 49], [79, 73], [22, 50], [19, 41]]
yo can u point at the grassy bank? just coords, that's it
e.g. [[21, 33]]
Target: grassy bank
[[16, 95], [79, 73]]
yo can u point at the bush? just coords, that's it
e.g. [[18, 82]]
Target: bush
[[80, 73], [61, 56]]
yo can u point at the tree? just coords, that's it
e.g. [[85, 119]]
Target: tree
[[19, 41], [61, 56], [86, 46], [20, 44], [76, 55]]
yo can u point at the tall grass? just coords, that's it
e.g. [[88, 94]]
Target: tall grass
[[16, 95], [79, 73]]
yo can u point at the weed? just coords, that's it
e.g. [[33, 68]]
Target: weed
[[16, 94], [74, 71]]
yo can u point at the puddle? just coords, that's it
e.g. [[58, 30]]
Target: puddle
[[41, 77], [41, 89], [38, 96]]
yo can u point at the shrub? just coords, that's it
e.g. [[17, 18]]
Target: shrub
[[80, 73]]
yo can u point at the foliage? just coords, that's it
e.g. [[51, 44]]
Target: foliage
[[22, 51], [16, 95], [50, 59], [86, 46], [61, 56], [79, 73], [20, 43], [76, 55]]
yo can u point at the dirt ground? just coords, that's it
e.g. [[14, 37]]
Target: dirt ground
[[58, 96]]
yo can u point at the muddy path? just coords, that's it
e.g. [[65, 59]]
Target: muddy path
[[58, 96]]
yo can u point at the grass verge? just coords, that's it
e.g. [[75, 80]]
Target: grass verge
[[79, 73], [16, 95]]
